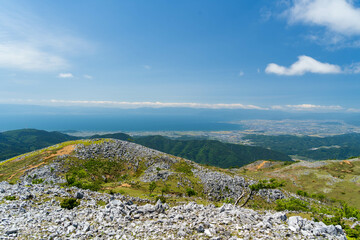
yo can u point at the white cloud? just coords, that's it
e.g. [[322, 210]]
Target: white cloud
[[154, 104], [353, 110], [29, 43], [308, 107], [26, 57], [65, 75], [241, 73], [353, 68], [88, 76], [339, 16], [132, 105], [304, 65]]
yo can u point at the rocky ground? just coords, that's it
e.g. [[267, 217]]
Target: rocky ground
[[36, 214], [35, 211]]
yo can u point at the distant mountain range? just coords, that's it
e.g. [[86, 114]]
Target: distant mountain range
[[209, 152]]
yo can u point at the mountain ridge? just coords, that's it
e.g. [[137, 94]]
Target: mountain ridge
[[112, 178], [202, 151]]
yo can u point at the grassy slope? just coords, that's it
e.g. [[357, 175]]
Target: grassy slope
[[102, 174], [337, 180], [120, 176]]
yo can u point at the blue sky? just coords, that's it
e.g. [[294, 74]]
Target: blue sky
[[300, 55]]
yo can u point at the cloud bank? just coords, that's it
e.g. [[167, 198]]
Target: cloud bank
[[155, 104], [305, 64], [133, 105], [308, 107]]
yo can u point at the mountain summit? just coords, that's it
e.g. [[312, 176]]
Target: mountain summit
[[107, 188]]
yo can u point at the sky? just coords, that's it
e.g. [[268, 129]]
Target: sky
[[296, 55]]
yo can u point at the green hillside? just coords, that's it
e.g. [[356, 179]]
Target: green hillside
[[13, 143], [317, 148], [214, 153], [327, 191], [330, 179], [211, 152]]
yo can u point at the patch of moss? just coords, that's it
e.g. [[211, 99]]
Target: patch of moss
[[10, 198], [37, 181], [183, 167], [70, 203], [101, 203]]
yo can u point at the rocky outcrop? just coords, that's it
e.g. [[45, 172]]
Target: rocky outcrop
[[216, 185], [104, 216]]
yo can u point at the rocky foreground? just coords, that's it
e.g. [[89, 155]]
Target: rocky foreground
[[36, 214]]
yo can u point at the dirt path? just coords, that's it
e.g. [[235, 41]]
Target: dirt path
[[261, 165], [64, 151], [29, 168]]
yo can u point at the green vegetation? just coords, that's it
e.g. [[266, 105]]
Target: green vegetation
[[119, 136], [91, 173], [10, 198], [265, 184], [331, 214], [161, 198], [214, 153], [70, 203], [13, 143], [37, 181], [101, 203], [302, 193], [152, 187], [317, 148], [292, 204], [183, 167], [16, 142], [329, 180], [325, 182], [190, 192], [12, 169], [211, 152]]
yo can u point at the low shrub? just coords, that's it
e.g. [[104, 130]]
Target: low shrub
[[37, 181], [70, 203], [162, 199], [229, 200], [302, 193], [10, 198], [190, 192], [152, 187], [264, 184], [292, 204]]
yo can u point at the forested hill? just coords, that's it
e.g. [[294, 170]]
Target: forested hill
[[214, 153], [211, 152], [21, 141], [317, 148]]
